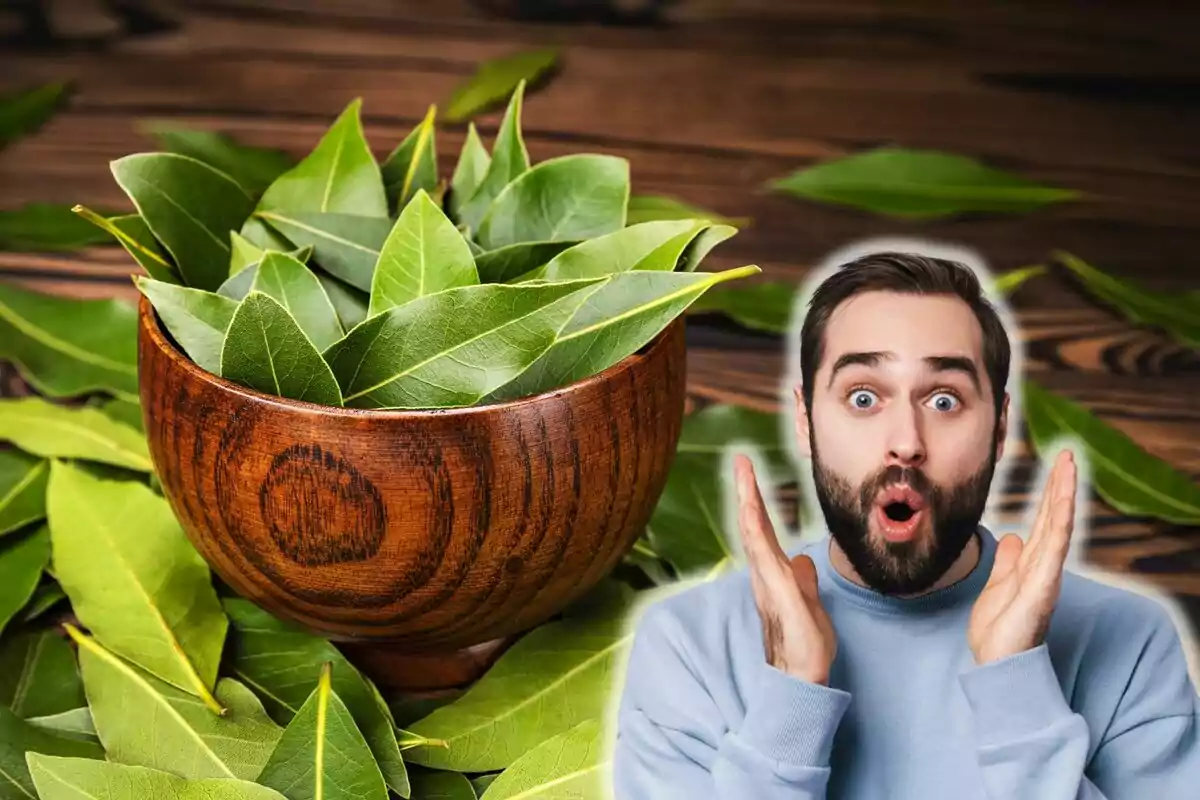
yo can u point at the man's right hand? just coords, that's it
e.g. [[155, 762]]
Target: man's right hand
[[798, 636]]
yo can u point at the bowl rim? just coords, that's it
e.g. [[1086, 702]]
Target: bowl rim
[[149, 320]]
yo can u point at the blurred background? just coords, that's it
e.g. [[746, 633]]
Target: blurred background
[[714, 102]]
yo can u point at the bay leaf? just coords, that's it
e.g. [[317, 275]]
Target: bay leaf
[[713, 430], [412, 165], [23, 556], [482, 782], [509, 159], [254, 168], [1132, 480], [351, 304], [344, 245], [261, 235], [569, 197], [66, 347], [298, 290], [196, 318], [266, 350], [190, 208], [496, 78], [237, 286], [126, 412], [282, 663], [46, 226], [322, 755], [134, 579], [38, 675], [550, 680], [687, 528], [512, 263], [645, 246], [761, 306], [73, 724], [918, 184], [24, 111], [1170, 313], [645, 208], [703, 244], [429, 784], [423, 254], [486, 335], [242, 253], [627, 311], [76, 778], [1010, 281], [648, 562], [23, 480], [573, 764], [53, 430], [145, 722], [17, 737], [132, 233], [340, 175], [45, 597], [469, 171]]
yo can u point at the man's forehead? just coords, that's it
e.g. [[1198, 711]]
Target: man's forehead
[[913, 327]]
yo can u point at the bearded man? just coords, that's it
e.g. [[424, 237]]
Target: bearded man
[[908, 654]]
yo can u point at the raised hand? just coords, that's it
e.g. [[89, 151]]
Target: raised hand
[[1012, 613], [798, 636]]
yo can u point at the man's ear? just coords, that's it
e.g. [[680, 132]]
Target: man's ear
[[802, 422], [1002, 428]]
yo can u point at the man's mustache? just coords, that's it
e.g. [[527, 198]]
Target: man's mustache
[[896, 474]]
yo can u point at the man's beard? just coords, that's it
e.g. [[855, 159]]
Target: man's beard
[[899, 568]]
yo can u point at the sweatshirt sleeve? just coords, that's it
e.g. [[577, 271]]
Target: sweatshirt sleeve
[[1031, 743], [672, 741]]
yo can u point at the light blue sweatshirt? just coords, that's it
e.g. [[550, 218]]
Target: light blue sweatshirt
[[1104, 708]]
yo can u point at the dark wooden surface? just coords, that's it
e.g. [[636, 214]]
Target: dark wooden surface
[[706, 108]]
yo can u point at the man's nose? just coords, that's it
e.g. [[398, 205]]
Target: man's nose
[[906, 445]]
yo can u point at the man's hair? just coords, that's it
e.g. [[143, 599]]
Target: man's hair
[[907, 273]]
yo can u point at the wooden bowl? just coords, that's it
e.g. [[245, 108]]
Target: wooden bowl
[[432, 530]]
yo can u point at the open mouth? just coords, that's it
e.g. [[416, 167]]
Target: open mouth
[[900, 511]]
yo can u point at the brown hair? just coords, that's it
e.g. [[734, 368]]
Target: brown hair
[[907, 273]]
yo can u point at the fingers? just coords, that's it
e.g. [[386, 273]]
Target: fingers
[[1008, 553], [1060, 522], [768, 563]]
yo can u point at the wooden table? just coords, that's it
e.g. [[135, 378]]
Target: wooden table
[[708, 109]]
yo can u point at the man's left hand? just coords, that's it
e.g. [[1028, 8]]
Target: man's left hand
[[1013, 612]]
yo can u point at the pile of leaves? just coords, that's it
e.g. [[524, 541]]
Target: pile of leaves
[[347, 283]]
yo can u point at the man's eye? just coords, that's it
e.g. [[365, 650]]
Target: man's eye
[[861, 398], [944, 401]]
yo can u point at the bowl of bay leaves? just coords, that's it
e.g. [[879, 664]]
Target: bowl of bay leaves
[[397, 409]]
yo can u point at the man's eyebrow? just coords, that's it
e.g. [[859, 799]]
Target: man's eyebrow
[[872, 358]]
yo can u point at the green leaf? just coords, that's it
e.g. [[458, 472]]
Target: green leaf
[[646, 246], [424, 254], [645, 208], [482, 783], [134, 579], [761, 306], [190, 208], [469, 171], [453, 347], [1171, 313], [512, 263], [266, 350], [243, 253], [23, 112], [351, 304], [45, 226], [496, 78], [572, 764], [703, 244], [145, 722], [300, 292], [132, 233], [710, 432], [1130, 479], [281, 663], [571, 197], [431, 784], [126, 412], [627, 311], [67, 347], [1010, 281], [645, 559], [254, 168], [345, 245], [198, 319], [45, 597], [23, 480], [509, 160], [339, 176], [322, 755], [261, 235], [918, 184], [17, 737], [412, 166], [23, 556], [38, 676], [687, 528], [236, 287], [57, 431], [551, 679], [75, 724], [76, 779]]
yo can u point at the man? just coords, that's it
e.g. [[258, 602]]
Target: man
[[908, 654]]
